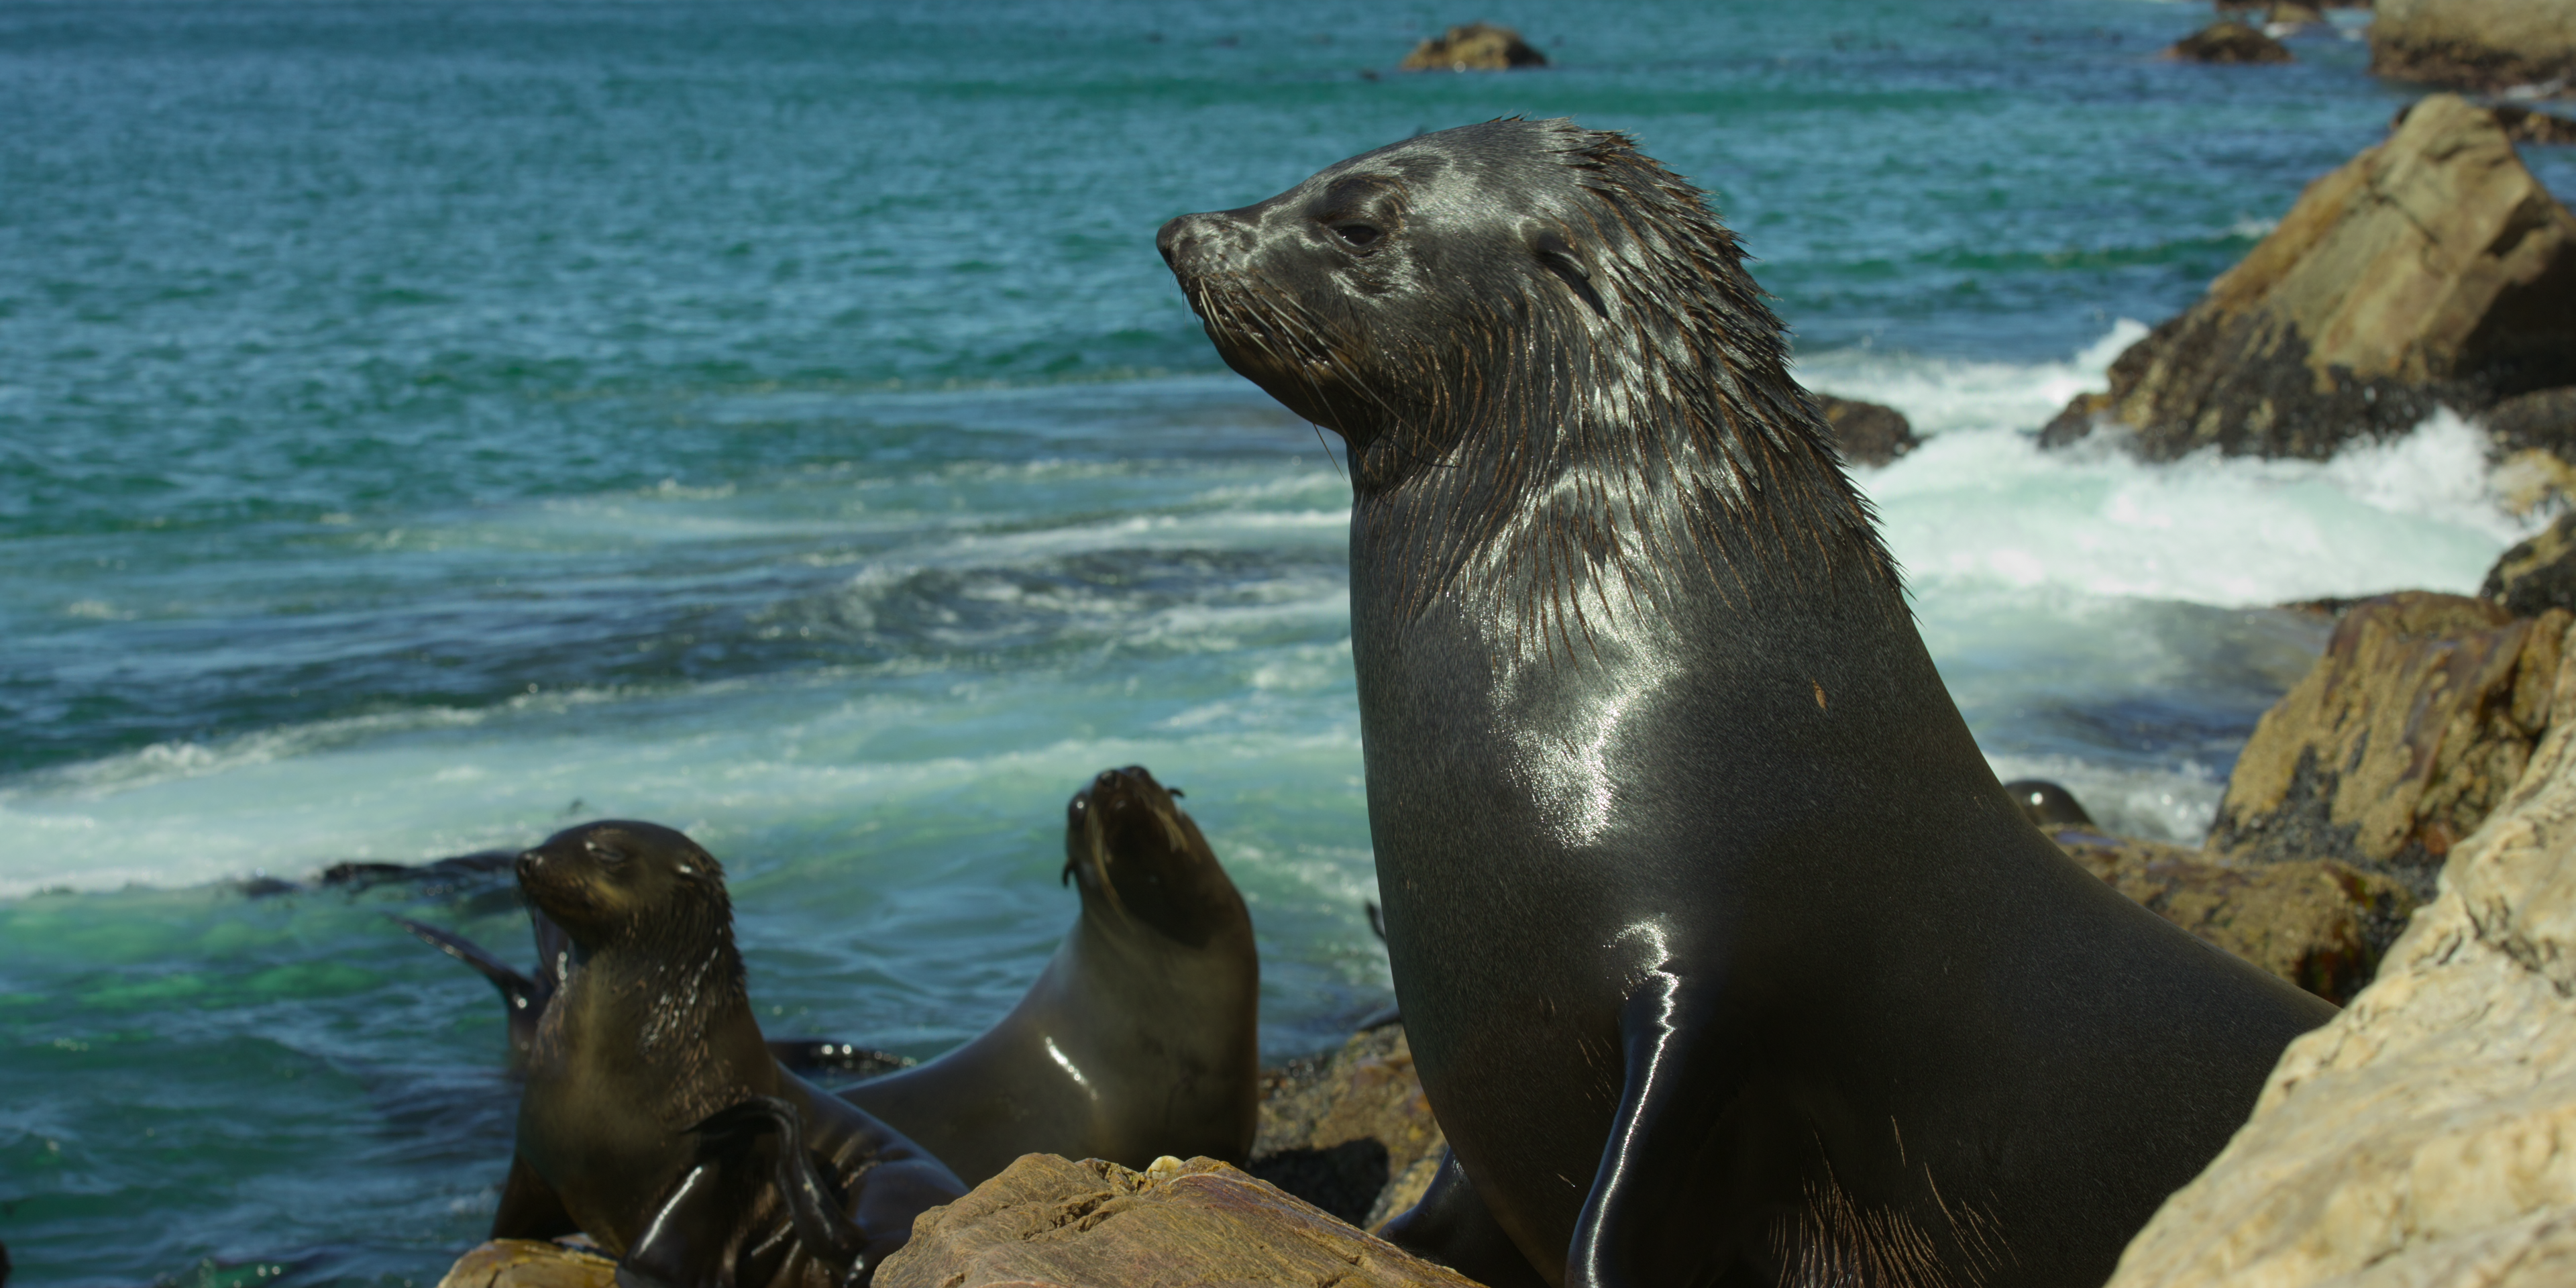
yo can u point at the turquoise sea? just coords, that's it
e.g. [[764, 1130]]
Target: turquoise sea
[[424, 425]]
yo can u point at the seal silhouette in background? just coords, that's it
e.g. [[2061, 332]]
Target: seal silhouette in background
[[1722, 953], [656, 1121], [1140, 1038]]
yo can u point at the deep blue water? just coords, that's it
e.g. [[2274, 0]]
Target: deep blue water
[[423, 425]]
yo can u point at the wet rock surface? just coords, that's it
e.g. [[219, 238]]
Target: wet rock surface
[[1350, 1130], [1474, 47], [2537, 575], [530, 1263], [2475, 44], [1047, 1220], [2319, 924], [2418, 719], [2228, 41], [2426, 1136], [2430, 270], [1867, 433]]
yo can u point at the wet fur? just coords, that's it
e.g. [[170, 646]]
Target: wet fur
[[1723, 956]]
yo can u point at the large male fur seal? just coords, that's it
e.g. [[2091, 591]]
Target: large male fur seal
[[1141, 1037], [656, 1121], [1723, 956]]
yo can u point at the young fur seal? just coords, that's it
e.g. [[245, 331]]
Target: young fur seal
[[656, 1121], [1723, 956], [1140, 1039]]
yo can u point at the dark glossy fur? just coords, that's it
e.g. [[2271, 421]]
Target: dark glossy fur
[[1140, 1038], [1723, 956], [655, 1119]]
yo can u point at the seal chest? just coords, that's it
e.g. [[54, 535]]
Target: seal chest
[[1721, 951]]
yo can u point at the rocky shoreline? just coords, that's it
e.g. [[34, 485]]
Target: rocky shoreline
[[2395, 836]]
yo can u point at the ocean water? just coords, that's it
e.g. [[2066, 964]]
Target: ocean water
[[426, 425]]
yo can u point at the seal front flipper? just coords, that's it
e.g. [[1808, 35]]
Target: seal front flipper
[[813, 1210], [1682, 1074], [690, 1240], [525, 997], [1451, 1225]]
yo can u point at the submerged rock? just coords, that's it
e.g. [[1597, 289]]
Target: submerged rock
[[1350, 1132], [2418, 719], [2228, 41], [1475, 47], [1867, 433], [2319, 924], [2475, 44], [2426, 1136], [2430, 269], [1051, 1221]]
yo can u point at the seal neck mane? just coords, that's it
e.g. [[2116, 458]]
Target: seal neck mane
[[673, 986], [1562, 454]]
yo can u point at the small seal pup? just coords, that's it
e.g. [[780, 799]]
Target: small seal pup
[[656, 1121], [1141, 1037], [1723, 956]]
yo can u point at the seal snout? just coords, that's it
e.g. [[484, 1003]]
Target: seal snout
[[1194, 245]]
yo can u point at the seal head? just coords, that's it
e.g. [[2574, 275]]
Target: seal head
[[1140, 1038]]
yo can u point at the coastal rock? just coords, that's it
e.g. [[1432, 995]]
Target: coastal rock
[[2520, 124], [2536, 575], [1051, 1221], [1347, 1131], [2544, 419], [2228, 41], [2475, 44], [2426, 1136], [530, 1263], [1475, 47], [2319, 924], [1868, 433], [2432, 268], [2419, 718]]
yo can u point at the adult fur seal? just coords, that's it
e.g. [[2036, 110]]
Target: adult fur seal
[[1723, 956], [656, 1121], [1139, 1039]]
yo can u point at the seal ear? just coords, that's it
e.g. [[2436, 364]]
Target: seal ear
[[1558, 258]]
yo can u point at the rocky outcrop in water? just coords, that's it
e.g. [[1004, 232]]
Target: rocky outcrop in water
[[2319, 924], [1475, 47], [1050, 1221], [2426, 1136], [2228, 41], [2475, 44], [1867, 433], [2419, 718], [2431, 269]]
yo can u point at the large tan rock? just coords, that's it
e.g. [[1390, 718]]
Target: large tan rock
[[2431, 269], [2319, 924], [1351, 1131], [2427, 1136], [530, 1263], [2418, 719], [2474, 44], [1051, 1221]]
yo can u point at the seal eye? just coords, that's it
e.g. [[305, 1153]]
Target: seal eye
[[1358, 234]]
